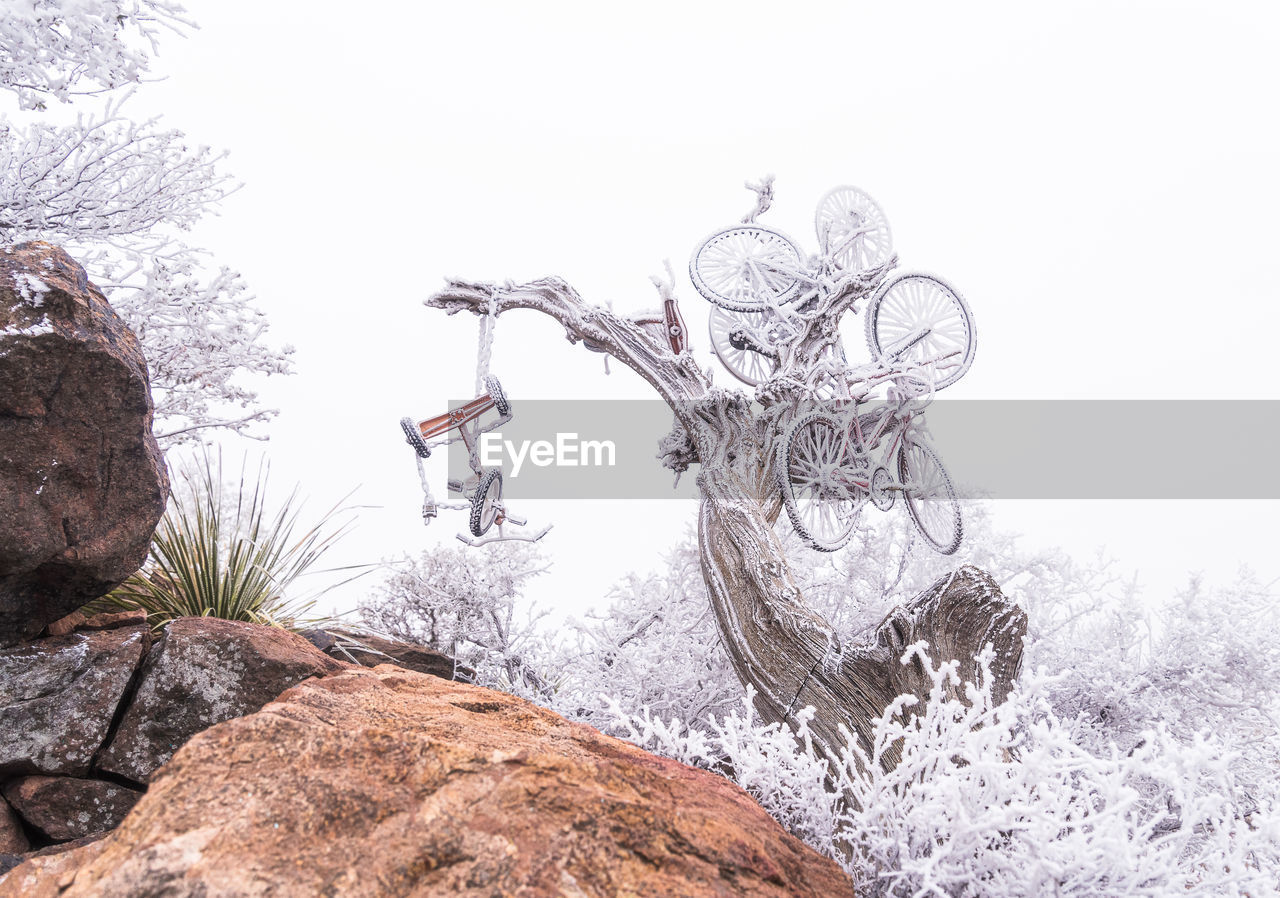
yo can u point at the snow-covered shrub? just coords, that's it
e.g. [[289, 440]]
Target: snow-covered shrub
[[464, 602], [1002, 800], [774, 763], [656, 648], [1204, 661], [996, 800]]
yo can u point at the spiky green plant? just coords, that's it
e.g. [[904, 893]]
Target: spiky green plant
[[223, 556]]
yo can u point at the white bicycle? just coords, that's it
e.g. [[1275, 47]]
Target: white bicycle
[[758, 282]]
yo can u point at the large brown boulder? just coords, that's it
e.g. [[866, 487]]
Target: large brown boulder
[[59, 695], [203, 671], [82, 482], [387, 782]]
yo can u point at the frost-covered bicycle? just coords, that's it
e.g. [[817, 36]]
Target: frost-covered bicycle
[[834, 460], [483, 489], [760, 285]]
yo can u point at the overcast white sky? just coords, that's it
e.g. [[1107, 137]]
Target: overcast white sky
[[1100, 180]]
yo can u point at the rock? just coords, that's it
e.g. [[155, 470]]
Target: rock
[[9, 861], [389, 651], [321, 639], [387, 782], [110, 620], [12, 838], [82, 482], [65, 808], [203, 671], [64, 625], [59, 695]]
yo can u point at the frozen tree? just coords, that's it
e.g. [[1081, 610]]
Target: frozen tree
[[116, 193], [68, 48], [777, 643], [654, 649], [466, 603]]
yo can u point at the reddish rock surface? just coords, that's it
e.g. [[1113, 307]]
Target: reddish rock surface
[[12, 839], [64, 625], [388, 782], [58, 697], [65, 808], [200, 672], [82, 482]]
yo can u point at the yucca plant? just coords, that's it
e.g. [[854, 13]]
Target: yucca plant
[[223, 556]]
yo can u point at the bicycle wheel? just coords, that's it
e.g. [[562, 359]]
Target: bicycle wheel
[[498, 395], [853, 228], [486, 502], [919, 321], [746, 365], [931, 498], [413, 436], [815, 467], [746, 269]]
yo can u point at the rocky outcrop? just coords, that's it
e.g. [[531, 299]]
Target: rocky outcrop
[[389, 782], [58, 697], [369, 650], [82, 482], [63, 808], [203, 671]]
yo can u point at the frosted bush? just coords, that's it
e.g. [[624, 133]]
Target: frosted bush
[[775, 764], [656, 648], [1001, 800], [115, 193], [463, 602], [995, 800], [55, 48]]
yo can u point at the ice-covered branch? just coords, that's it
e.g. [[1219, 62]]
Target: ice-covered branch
[[52, 48], [676, 377], [103, 177]]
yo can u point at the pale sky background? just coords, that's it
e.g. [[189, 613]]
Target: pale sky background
[[1099, 180]]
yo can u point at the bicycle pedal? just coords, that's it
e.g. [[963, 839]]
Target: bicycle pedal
[[454, 486]]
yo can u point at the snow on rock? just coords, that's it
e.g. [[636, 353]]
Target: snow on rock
[[82, 482]]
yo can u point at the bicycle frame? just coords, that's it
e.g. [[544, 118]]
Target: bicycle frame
[[460, 419], [818, 278]]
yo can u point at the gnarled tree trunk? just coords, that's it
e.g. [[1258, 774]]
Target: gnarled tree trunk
[[779, 645]]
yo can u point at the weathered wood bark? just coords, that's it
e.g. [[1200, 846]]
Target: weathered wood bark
[[779, 645]]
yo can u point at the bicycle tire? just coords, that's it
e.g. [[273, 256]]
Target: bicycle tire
[[812, 444], [926, 481], [486, 503], [904, 306], [743, 268]]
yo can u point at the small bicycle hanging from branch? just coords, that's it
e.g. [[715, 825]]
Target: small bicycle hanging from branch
[[482, 491]]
